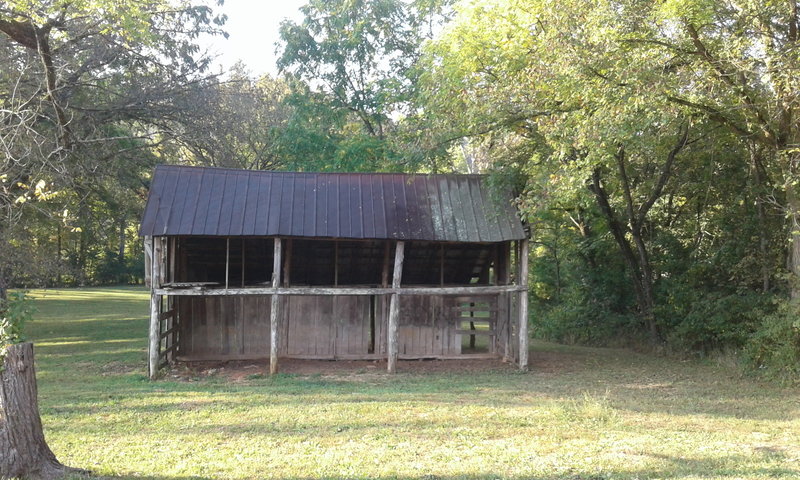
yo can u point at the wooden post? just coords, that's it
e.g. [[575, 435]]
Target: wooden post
[[394, 308], [385, 299], [523, 306], [335, 263], [154, 343], [287, 263], [171, 255], [227, 260], [148, 262], [155, 335], [385, 271], [274, 317], [504, 299], [441, 265]]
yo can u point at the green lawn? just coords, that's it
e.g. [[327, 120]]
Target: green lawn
[[580, 414]]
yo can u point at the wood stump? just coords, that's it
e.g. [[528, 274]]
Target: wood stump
[[23, 450]]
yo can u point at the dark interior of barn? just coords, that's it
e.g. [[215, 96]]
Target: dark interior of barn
[[247, 262]]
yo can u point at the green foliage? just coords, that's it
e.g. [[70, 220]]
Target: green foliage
[[774, 349], [704, 320], [15, 312]]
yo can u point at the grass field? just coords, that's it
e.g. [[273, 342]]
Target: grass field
[[580, 414]]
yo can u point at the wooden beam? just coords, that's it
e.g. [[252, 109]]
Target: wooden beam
[[394, 308], [206, 358], [167, 351], [148, 262], [274, 318], [287, 263], [385, 271], [155, 334], [441, 265], [227, 260], [504, 299], [336, 262], [523, 306], [171, 255], [467, 291], [158, 252], [167, 333]]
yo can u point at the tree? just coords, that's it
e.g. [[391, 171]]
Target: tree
[[23, 450], [738, 62], [358, 52], [235, 123], [89, 86], [84, 85], [358, 61], [522, 69], [600, 98]]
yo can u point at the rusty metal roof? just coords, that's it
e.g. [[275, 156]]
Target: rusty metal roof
[[225, 202]]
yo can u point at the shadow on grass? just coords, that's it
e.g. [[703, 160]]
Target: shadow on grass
[[728, 467]]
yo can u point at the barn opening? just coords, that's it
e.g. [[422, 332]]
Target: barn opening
[[349, 266]]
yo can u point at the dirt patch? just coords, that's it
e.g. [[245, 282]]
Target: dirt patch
[[555, 363], [237, 371]]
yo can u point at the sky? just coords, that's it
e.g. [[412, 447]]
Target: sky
[[253, 28]]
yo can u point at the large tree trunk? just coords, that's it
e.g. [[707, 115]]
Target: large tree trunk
[[759, 177], [23, 450], [794, 245], [641, 282]]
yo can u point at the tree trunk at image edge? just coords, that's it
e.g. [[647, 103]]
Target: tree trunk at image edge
[[793, 201], [23, 450]]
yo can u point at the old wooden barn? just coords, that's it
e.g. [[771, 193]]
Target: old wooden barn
[[257, 264]]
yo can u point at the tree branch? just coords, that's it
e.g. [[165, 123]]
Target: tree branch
[[666, 171]]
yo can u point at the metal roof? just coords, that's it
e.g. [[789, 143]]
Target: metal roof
[[226, 202]]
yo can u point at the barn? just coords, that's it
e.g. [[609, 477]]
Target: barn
[[247, 265]]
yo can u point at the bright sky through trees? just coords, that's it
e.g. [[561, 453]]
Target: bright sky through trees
[[253, 28]]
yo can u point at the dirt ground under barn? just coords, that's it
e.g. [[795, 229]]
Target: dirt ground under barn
[[541, 362]]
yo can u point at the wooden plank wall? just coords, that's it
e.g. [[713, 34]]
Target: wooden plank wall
[[324, 327], [214, 328], [425, 328], [237, 327]]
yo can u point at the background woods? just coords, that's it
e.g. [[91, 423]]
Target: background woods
[[654, 146]]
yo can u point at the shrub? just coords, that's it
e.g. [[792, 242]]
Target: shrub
[[15, 312], [774, 349]]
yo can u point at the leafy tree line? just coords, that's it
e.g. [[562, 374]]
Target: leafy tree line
[[654, 145]]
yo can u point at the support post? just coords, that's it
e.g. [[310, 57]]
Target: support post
[[394, 308], [523, 306], [504, 299], [274, 318], [155, 335], [227, 260], [287, 263], [154, 344]]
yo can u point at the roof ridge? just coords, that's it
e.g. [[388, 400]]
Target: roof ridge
[[294, 172]]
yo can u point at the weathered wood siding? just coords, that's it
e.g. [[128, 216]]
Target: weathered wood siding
[[326, 327], [330, 327], [429, 325], [224, 327]]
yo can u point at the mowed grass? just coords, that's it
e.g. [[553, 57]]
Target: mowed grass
[[580, 413]]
